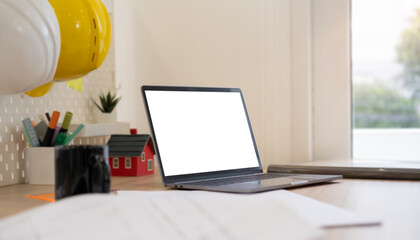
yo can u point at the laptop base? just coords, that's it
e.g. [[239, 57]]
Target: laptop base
[[262, 185]]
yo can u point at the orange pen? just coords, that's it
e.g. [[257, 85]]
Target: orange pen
[[51, 128]]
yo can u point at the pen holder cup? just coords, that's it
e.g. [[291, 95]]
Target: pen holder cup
[[40, 165]]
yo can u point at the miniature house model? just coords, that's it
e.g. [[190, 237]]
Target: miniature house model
[[131, 155]]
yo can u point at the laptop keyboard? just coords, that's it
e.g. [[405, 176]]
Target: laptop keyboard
[[239, 179]]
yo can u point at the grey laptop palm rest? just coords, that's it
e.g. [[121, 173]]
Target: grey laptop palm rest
[[204, 140]]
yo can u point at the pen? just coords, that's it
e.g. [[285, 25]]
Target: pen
[[66, 122], [61, 137], [25, 133], [70, 138], [51, 128], [47, 114], [55, 135]]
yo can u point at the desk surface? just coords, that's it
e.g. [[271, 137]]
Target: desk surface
[[397, 203]]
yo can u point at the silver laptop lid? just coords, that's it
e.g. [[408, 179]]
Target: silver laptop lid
[[200, 133]]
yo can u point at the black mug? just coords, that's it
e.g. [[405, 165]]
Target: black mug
[[81, 169]]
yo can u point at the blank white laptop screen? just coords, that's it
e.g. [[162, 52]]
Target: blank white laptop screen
[[200, 132]]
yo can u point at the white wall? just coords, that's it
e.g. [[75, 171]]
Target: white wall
[[237, 43]]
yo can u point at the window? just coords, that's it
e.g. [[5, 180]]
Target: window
[[143, 156], [386, 79], [115, 163], [149, 164], [331, 49], [128, 163]]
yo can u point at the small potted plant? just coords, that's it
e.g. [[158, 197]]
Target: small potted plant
[[106, 107]]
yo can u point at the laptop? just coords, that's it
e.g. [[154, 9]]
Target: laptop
[[203, 140]]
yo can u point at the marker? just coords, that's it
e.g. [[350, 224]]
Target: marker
[[51, 128], [25, 133], [56, 133], [70, 138], [47, 114], [61, 137], [66, 122]]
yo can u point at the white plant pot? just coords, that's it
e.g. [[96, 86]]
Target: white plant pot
[[101, 117]]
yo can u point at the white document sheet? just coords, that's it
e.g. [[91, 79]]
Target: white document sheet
[[161, 215], [321, 214], [314, 212]]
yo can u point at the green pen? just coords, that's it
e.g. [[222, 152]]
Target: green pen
[[70, 138], [27, 137], [61, 136], [66, 122]]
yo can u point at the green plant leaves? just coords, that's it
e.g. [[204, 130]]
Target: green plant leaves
[[107, 102]]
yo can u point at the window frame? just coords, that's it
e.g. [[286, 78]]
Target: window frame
[[321, 80], [115, 162], [150, 165], [128, 160], [331, 45]]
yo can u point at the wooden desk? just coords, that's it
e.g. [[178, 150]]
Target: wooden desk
[[397, 203]]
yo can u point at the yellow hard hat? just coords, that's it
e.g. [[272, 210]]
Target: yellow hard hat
[[40, 91], [85, 37]]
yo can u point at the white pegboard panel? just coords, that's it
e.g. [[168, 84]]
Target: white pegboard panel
[[15, 108]]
